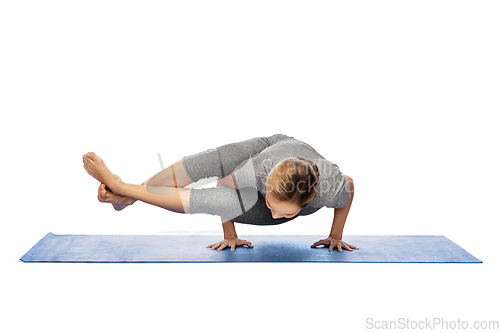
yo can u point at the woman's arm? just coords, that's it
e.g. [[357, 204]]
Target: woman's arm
[[227, 225], [228, 228], [334, 240], [340, 214], [230, 237]]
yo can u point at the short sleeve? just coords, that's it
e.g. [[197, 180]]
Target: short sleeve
[[332, 192]]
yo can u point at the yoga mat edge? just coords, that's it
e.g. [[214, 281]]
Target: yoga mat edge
[[267, 248]]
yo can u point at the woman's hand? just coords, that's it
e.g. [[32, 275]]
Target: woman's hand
[[229, 242], [335, 242]]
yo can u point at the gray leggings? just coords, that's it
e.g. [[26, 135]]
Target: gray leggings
[[246, 205]]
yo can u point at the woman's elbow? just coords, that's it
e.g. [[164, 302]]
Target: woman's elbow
[[351, 183]]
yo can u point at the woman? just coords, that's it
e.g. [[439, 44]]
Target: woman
[[262, 181]]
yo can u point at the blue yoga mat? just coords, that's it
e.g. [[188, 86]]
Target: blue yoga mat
[[268, 248]]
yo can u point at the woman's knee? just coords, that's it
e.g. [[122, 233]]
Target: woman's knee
[[223, 201], [227, 181]]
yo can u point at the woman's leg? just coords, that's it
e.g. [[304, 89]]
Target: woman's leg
[[173, 176], [171, 198], [119, 202], [244, 205], [213, 162], [209, 163]]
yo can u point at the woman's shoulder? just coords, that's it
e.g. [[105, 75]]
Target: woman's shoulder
[[273, 139], [331, 191]]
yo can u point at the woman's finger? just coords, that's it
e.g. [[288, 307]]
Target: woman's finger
[[222, 247], [346, 246], [339, 247], [352, 246], [210, 245], [320, 242], [248, 244], [233, 246], [332, 245], [216, 245]]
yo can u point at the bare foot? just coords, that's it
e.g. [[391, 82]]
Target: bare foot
[[94, 165], [119, 202]]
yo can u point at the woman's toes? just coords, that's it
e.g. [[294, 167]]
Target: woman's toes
[[87, 158], [101, 195], [92, 156], [105, 193]]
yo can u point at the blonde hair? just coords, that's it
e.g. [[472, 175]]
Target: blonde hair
[[293, 180]]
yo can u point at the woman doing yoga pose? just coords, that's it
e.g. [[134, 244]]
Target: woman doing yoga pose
[[261, 181]]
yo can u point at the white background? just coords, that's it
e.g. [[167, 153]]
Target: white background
[[402, 95]]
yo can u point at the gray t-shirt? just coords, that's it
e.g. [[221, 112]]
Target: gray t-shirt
[[333, 189]]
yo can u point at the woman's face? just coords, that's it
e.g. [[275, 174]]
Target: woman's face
[[281, 209]]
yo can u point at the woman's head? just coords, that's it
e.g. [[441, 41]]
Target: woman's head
[[291, 185]]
